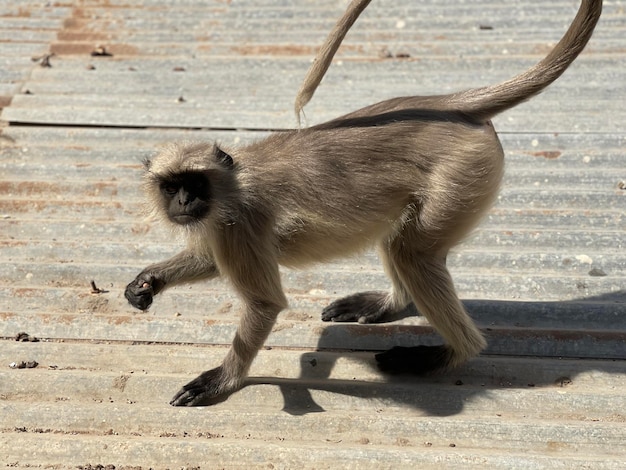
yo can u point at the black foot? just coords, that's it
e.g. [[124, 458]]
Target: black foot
[[206, 389], [364, 307], [414, 360]]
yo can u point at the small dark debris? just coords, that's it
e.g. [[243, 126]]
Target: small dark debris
[[458, 382], [531, 384], [485, 27], [43, 60], [96, 467], [621, 185], [91, 67], [181, 99], [452, 445], [385, 53], [25, 337], [597, 272], [563, 381], [96, 290], [28, 92], [101, 51], [313, 362], [24, 365], [179, 69]]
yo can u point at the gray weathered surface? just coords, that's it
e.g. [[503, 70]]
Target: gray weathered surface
[[544, 274]]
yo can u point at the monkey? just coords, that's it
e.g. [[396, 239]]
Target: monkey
[[411, 176]]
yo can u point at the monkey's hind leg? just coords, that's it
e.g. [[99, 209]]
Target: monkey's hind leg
[[427, 278], [373, 306]]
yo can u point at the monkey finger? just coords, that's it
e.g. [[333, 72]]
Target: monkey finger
[[140, 298]]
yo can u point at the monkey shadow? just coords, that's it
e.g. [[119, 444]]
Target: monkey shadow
[[446, 393]]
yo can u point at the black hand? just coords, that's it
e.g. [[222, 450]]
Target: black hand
[[140, 292]]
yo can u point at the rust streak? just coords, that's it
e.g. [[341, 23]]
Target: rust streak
[[548, 154]]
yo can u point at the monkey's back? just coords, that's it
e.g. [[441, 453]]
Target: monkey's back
[[338, 187]]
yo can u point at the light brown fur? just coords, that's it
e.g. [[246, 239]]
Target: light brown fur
[[410, 175]]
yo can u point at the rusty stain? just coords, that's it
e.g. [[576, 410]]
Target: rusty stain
[[255, 49], [78, 147], [273, 49], [63, 319], [548, 154], [120, 320], [41, 188], [38, 206], [5, 101], [63, 48], [25, 292], [554, 446], [102, 187], [22, 12], [70, 23], [132, 166], [13, 243], [82, 36]]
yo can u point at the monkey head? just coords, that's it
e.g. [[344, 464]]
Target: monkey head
[[183, 181]]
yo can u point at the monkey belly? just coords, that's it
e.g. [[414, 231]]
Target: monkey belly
[[303, 247]]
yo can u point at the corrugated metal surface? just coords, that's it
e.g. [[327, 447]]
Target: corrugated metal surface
[[543, 275]]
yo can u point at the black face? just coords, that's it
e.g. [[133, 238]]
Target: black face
[[187, 197]]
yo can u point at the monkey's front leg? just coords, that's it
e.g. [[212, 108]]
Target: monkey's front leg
[[217, 384], [186, 266], [260, 288]]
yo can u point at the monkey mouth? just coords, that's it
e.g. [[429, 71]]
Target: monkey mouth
[[184, 219]]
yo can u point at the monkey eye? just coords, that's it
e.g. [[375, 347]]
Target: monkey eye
[[170, 190]]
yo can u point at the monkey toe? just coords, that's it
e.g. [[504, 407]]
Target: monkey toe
[[364, 307], [419, 360], [197, 396], [206, 389]]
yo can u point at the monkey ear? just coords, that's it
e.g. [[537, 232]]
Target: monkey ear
[[223, 157]]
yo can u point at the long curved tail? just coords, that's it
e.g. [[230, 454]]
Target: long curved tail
[[480, 103], [326, 53], [484, 103]]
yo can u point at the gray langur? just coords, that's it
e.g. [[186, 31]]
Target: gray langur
[[411, 175]]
